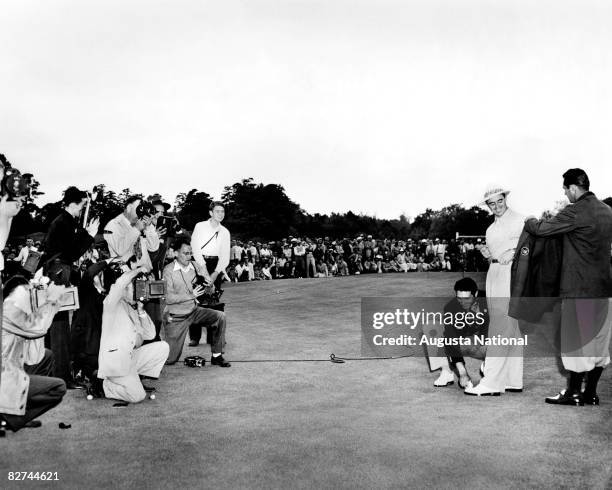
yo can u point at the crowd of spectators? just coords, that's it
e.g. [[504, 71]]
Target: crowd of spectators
[[296, 257], [321, 257]]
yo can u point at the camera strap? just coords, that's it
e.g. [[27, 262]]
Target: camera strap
[[210, 239]]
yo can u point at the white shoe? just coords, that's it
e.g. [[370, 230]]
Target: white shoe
[[481, 390], [446, 378]]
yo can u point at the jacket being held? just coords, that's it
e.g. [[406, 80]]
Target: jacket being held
[[586, 227], [536, 275]]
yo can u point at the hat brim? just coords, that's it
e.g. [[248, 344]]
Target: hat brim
[[505, 193]]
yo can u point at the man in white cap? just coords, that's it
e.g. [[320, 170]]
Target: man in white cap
[[503, 367]]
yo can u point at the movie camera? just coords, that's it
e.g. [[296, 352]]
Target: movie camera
[[12, 183], [171, 224]]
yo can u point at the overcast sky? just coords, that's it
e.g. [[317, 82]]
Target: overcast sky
[[381, 107]]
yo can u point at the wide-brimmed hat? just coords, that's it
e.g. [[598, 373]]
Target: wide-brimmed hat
[[161, 203], [492, 191]]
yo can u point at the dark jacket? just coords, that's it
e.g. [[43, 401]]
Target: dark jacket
[[536, 273], [67, 239], [66, 242], [452, 331], [586, 227]]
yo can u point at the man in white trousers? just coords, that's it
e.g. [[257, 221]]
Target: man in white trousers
[[503, 367], [123, 357]]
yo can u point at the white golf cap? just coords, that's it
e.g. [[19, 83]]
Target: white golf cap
[[492, 191]]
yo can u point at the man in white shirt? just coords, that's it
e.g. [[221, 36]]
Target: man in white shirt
[[503, 367], [210, 245], [25, 252], [236, 251]]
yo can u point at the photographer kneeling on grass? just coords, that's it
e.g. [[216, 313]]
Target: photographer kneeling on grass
[[186, 281], [123, 357], [27, 390]]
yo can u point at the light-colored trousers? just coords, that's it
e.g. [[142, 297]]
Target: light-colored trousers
[[585, 333], [147, 360], [503, 364]]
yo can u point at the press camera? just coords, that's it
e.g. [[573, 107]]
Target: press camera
[[69, 301], [211, 295], [146, 289], [171, 224]]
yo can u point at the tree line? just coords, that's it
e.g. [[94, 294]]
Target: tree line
[[263, 212]]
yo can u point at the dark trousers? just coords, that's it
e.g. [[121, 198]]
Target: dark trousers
[[176, 330], [195, 330], [58, 336], [44, 393], [155, 311], [58, 340]]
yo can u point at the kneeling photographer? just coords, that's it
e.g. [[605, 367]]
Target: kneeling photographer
[[186, 281], [123, 357], [27, 389]]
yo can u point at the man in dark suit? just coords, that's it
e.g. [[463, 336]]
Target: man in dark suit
[[586, 285], [67, 241]]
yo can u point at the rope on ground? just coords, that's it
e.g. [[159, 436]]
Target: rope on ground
[[332, 358]]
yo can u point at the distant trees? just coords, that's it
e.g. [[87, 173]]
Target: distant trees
[[260, 211], [192, 207], [265, 212]]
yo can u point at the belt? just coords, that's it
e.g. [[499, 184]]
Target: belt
[[495, 261], [211, 256]]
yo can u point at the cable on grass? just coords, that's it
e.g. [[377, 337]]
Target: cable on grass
[[332, 358]]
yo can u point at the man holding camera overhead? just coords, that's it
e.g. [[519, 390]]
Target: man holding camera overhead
[[132, 236], [123, 357], [67, 241], [132, 233]]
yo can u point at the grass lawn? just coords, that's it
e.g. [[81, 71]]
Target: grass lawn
[[362, 424]]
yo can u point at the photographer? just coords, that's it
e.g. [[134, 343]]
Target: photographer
[[183, 310], [27, 391], [123, 357], [133, 233], [66, 242], [8, 210]]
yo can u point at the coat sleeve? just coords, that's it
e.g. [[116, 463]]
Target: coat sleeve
[[563, 222], [29, 325], [152, 238], [116, 290], [120, 242]]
